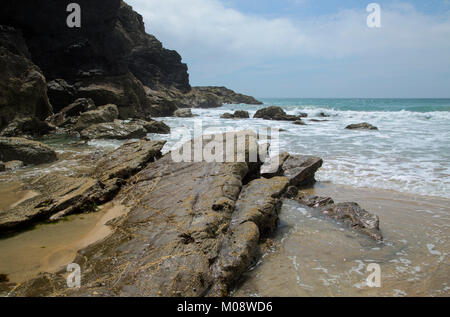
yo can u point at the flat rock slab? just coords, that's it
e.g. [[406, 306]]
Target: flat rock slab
[[29, 152], [188, 232], [60, 195]]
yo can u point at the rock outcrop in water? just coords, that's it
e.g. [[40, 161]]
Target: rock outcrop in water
[[350, 214], [276, 113], [361, 126], [239, 114]]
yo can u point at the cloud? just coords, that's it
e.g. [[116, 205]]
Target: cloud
[[216, 40]]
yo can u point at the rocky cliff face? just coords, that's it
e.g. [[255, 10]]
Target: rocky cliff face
[[109, 59], [22, 84]]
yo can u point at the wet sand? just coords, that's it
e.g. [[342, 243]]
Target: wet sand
[[49, 247], [314, 256]]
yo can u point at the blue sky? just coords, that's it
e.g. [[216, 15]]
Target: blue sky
[[308, 48]]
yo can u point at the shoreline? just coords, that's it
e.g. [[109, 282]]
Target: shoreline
[[329, 260]]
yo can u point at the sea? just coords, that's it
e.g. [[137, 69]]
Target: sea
[[409, 153]]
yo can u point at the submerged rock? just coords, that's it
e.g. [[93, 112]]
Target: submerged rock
[[29, 152], [349, 213], [361, 126], [299, 122], [275, 113], [239, 114]]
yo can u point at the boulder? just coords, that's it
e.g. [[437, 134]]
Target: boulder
[[183, 113], [239, 114], [275, 113], [118, 130], [78, 106], [300, 169], [29, 152], [26, 126], [153, 126], [227, 116], [361, 126], [103, 114]]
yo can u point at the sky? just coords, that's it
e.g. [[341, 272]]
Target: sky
[[308, 48]]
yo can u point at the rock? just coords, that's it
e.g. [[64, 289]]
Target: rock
[[78, 106], [60, 195], [103, 114], [113, 52], [299, 122], [227, 116], [175, 238], [60, 93], [349, 213], [183, 113], [300, 169], [237, 115], [128, 160], [26, 126], [2, 167], [204, 99], [13, 165], [361, 126], [255, 216], [273, 166], [274, 113], [117, 130], [29, 152], [23, 90], [153, 126], [226, 96], [316, 120], [125, 91], [315, 201]]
